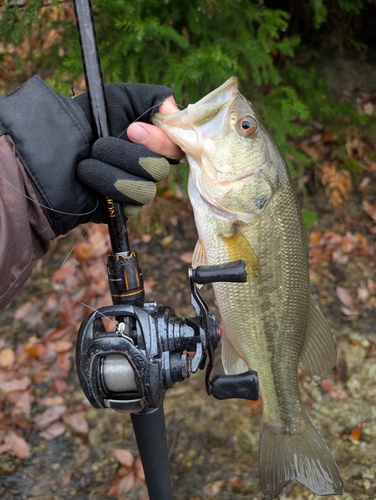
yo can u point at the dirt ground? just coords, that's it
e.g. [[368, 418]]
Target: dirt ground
[[213, 444]]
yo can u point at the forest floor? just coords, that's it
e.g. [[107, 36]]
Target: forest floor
[[55, 446]]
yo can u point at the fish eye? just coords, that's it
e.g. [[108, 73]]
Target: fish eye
[[248, 125]]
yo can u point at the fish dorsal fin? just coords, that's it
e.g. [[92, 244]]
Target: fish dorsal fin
[[231, 360], [238, 248], [318, 355], [199, 255]]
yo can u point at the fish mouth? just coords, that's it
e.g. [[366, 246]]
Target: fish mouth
[[225, 93], [203, 110]]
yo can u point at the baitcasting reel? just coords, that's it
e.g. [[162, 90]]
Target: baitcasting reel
[[151, 349]]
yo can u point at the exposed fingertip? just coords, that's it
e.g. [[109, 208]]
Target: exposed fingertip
[[137, 133]]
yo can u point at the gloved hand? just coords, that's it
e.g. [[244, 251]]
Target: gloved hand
[[53, 137], [117, 168]]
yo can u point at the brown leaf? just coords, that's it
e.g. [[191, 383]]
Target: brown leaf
[[356, 433], [139, 470], [167, 240], [7, 357], [186, 257], [122, 485], [212, 489], [18, 384], [50, 415], [53, 431], [235, 481], [59, 386], [369, 209], [124, 457], [335, 392], [62, 365], [61, 345], [53, 400], [77, 422], [17, 445], [82, 454], [35, 350], [349, 312], [23, 311], [344, 296], [23, 404], [148, 285]]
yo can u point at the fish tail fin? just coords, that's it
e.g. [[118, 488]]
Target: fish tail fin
[[304, 457]]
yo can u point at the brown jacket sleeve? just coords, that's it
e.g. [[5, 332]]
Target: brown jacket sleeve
[[25, 232]]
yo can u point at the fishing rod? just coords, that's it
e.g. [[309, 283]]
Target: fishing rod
[[131, 368]]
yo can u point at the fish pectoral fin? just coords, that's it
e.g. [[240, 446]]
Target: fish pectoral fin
[[302, 456], [199, 255], [239, 248], [318, 355], [231, 359]]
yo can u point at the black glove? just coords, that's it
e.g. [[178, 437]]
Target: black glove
[[117, 168], [54, 138]]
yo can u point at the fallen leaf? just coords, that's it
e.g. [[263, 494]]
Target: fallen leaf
[[356, 433], [53, 400], [139, 470], [53, 431], [18, 384], [334, 392], [167, 240], [62, 365], [50, 415], [23, 403], [124, 457], [17, 445], [82, 454], [235, 481], [351, 313], [60, 386], [7, 357], [61, 345], [35, 350], [122, 485], [212, 489], [186, 257], [344, 296], [77, 422], [148, 285]]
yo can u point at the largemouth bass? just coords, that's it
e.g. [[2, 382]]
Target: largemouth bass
[[245, 208]]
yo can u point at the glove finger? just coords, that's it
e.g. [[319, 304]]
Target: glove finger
[[131, 211], [127, 102], [129, 157], [114, 183]]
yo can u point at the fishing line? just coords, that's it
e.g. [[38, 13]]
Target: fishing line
[[37, 202], [144, 113], [60, 284]]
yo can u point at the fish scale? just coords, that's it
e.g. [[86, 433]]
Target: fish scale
[[245, 207]]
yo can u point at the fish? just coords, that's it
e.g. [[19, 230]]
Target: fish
[[245, 207]]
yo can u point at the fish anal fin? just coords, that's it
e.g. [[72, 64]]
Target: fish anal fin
[[318, 355], [239, 248], [231, 359], [304, 457]]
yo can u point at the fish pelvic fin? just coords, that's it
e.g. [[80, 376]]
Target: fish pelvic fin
[[231, 359], [237, 248], [318, 355], [303, 456], [199, 255]]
